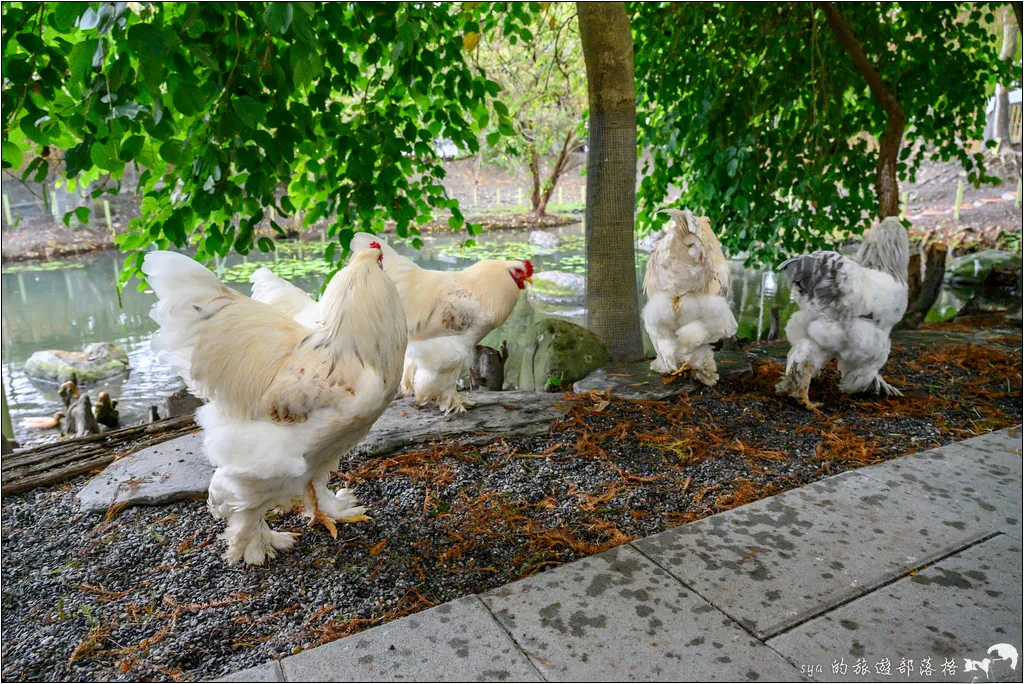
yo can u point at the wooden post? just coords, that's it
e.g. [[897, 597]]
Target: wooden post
[[106, 214], [583, 195], [519, 196], [53, 205], [497, 197], [959, 200], [903, 205], [560, 199], [10, 218], [476, 198]]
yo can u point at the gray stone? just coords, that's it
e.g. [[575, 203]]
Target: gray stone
[[557, 353], [542, 238], [779, 561], [174, 470], [981, 266], [178, 469], [267, 672], [457, 641], [558, 287], [637, 382], [96, 361], [618, 617], [979, 478], [181, 403], [956, 609]]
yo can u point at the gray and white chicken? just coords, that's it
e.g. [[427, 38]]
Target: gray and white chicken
[[848, 307]]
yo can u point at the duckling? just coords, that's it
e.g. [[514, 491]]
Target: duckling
[[105, 410], [43, 422]]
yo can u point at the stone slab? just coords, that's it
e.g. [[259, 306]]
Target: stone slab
[[267, 672], [782, 560], [618, 617], [174, 470], [956, 609], [637, 382], [178, 469], [456, 641], [981, 478]]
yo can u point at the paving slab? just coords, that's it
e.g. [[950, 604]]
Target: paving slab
[[637, 382], [980, 478], [178, 469], [955, 610], [456, 641], [782, 560], [618, 617], [267, 672]]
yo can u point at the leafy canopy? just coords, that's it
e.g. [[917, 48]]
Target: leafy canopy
[[756, 111], [223, 105]]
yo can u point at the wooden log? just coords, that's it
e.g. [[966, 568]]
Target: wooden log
[[52, 463], [934, 274]]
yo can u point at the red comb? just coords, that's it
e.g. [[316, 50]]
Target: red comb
[[529, 268], [374, 245]]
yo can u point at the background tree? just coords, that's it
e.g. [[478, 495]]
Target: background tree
[[543, 80], [221, 105], [765, 115], [612, 302], [998, 128]]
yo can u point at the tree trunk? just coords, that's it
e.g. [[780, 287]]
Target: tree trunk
[[998, 127], [612, 302], [935, 271], [887, 186], [535, 177]]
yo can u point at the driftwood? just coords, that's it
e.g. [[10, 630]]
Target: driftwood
[[52, 463]]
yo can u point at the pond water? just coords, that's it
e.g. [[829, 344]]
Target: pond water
[[64, 305]]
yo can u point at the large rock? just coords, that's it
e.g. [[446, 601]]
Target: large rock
[[178, 469], [96, 361], [542, 238], [556, 353], [991, 267], [558, 287]]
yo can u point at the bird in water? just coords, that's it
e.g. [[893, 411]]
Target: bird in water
[[43, 422]]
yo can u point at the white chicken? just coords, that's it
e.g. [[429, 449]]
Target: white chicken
[[686, 284], [285, 401], [847, 310], [448, 313]]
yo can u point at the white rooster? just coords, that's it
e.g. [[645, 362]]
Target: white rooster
[[285, 402], [848, 307], [448, 313], [686, 284]]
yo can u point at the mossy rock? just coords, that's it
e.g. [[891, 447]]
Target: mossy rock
[[97, 361], [556, 353], [991, 266]]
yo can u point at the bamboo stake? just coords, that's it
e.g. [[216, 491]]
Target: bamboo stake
[[959, 200]]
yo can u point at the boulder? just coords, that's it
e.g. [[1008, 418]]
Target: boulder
[[97, 361], [991, 267], [558, 287], [556, 353], [540, 238]]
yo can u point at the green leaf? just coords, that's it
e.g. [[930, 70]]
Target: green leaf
[[65, 14], [12, 155], [249, 110], [278, 17], [188, 100], [265, 244], [80, 60], [82, 214]]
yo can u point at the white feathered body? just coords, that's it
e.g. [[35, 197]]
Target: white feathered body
[[285, 401], [686, 284], [448, 314], [848, 308]]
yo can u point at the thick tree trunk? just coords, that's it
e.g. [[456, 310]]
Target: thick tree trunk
[[612, 302], [887, 186]]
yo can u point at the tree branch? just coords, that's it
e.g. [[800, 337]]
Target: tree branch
[[853, 48]]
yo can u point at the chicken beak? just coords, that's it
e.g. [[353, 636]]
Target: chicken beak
[[530, 280]]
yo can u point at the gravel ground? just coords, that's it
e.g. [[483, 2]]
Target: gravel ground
[[145, 594]]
